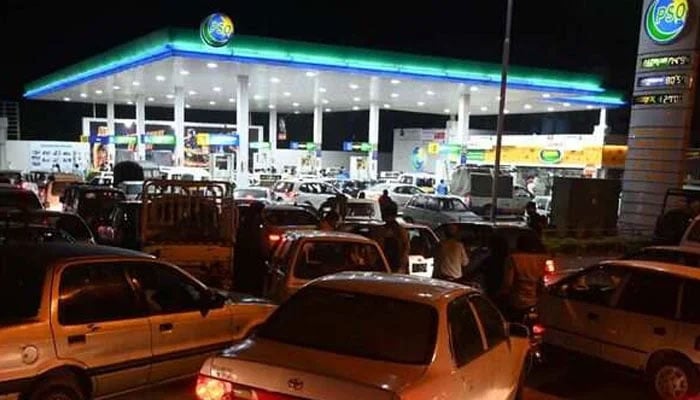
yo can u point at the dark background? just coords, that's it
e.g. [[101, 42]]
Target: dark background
[[593, 36]]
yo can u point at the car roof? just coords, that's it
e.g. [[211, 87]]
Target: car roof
[[399, 286], [361, 201], [284, 207], [377, 223], [655, 266], [315, 234], [494, 225], [678, 249], [53, 252]]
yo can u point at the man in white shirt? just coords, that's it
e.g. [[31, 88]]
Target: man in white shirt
[[451, 256]]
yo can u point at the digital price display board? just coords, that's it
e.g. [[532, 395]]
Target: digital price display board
[[670, 80], [657, 99], [666, 61]]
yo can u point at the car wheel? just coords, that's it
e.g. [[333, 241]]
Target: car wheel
[[62, 387], [673, 377]]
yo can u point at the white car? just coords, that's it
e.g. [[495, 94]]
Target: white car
[[642, 315], [251, 193], [398, 192], [363, 209], [359, 335], [312, 192], [426, 182]]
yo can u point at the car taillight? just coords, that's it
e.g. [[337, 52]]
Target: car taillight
[[209, 388], [538, 330], [550, 267], [274, 238]]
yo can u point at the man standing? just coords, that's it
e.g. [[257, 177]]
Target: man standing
[[394, 240], [535, 221], [442, 188], [451, 256], [384, 201]]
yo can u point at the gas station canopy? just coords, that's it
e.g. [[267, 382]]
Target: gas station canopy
[[291, 76]]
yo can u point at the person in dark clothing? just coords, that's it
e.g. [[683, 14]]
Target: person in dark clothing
[[493, 266], [249, 270], [394, 240], [384, 201], [535, 221]]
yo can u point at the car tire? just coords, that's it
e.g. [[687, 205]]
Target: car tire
[[673, 377], [60, 387]]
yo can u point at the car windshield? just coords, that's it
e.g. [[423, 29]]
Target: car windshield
[[357, 325], [319, 258], [19, 200], [361, 210], [250, 194], [21, 284], [289, 217]]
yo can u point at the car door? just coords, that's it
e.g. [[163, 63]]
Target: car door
[[99, 322], [468, 349], [186, 328], [504, 362], [278, 271], [644, 318], [576, 309], [688, 326], [416, 209]]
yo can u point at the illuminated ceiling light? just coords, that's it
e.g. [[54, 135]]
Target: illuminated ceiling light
[[231, 100], [151, 99], [527, 107], [274, 80], [355, 108], [83, 95], [131, 103], [420, 103], [187, 106], [257, 97], [356, 99], [160, 78], [566, 104], [295, 104], [322, 90], [311, 74], [136, 83], [212, 65], [353, 86], [474, 88], [192, 93], [216, 89], [395, 81], [447, 111], [271, 106], [98, 91], [506, 111], [297, 112], [394, 95], [546, 95], [327, 110], [170, 96], [116, 87], [589, 107], [387, 105], [484, 108], [324, 101], [430, 93], [286, 94], [212, 103], [550, 109], [184, 72], [66, 99]]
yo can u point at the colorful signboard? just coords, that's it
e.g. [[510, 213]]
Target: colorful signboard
[[665, 20], [662, 62], [216, 30], [259, 145], [657, 99], [302, 146], [357, 146], [669, 80]]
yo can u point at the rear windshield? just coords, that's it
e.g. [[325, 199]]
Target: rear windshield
[[250, 194], [19, 200], [289, 217], [57, 188], [68, 223], [99, 202], [21, 285], [283, 187], [317, 259], [425, 182], [133, 188], [33, 234], [357, 325], [365, 210]]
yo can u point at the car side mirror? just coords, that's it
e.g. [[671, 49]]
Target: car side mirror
[[518, 330], [211, 300]]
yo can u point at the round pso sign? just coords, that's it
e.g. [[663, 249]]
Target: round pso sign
[[216, 30], [665, 20]]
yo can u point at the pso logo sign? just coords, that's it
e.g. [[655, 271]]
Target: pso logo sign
[[216, 30], [665, 20]]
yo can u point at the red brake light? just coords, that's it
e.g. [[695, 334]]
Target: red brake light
[[550, 267], [274, 237], [538, 330], [212, 389]]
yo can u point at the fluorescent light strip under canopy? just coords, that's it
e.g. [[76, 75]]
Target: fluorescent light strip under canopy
[[186, 43]]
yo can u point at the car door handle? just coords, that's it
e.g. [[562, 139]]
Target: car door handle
[[76, 339], [166, 327], [659, 331], [593, 316]]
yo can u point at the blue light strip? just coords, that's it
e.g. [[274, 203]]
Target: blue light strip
[[587, 100]]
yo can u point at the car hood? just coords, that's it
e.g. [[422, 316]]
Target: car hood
[[323, 365]]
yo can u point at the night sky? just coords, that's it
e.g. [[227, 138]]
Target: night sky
[[595, 36]]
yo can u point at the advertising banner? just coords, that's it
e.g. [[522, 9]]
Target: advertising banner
[[201, 141]]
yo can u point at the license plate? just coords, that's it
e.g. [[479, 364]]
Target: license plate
[[419, 268]]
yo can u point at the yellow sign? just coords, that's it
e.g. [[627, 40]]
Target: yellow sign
[[433, 148]]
